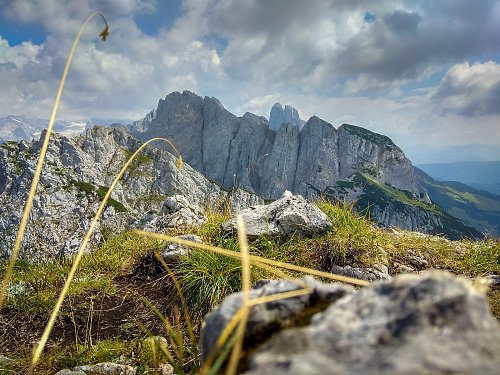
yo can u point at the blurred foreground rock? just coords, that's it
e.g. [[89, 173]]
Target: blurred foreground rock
[[433, 323]]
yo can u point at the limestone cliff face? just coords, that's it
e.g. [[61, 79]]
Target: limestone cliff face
[[362, 150], [76, 175], [245, 151], [316, 160], [318, 157]]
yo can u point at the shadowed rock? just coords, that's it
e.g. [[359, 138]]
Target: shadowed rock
[[434, 323], [272, 316]]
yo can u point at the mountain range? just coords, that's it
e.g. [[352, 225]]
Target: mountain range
[[17, 128], [482, 175], [347, 162], [77, 173], [226, 155]]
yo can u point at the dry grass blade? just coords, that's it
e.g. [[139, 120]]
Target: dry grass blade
[[174, 338], [39, 348], [39, 165], [254, 259], [183, 301], [246, 278]]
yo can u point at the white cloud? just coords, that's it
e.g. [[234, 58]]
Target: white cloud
[[322, 57], [470, 90]]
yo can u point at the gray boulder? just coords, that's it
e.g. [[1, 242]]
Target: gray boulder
[[272, 316], [177, 212], [283, 218], [433, 323]]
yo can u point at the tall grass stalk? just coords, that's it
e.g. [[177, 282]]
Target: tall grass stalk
[[246, 281], [40, 346], [254, 259], [29, 202]]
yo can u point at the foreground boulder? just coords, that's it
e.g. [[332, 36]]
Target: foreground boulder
[[433, 323], [290, 215], [269, 317]]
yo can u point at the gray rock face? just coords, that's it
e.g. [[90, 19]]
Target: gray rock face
[[269, 158], [231, 150], [271, 316], [360, 149], [370, 274], [77, 173], [287, 115], [320, 140], [283, 218], [432, 323]]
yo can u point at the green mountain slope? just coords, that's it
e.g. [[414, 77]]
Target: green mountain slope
[[393, 207], [474, 207]]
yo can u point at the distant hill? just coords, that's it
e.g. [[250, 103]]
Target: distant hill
[[16, 128], [483, 175], [476, 208], [427, 154]]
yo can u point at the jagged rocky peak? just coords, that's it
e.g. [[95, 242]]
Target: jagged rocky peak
[[77, 173], [283, 115], [250, 153]]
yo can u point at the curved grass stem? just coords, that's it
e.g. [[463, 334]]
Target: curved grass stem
[[41, 158], [39, 348]]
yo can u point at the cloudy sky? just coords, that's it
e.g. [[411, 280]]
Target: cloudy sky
[[422, 72]]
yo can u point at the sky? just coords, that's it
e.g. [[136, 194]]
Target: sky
[[421, 72]]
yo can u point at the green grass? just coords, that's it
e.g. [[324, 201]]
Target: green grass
[[35, 287], [89, 189], [122, 268]]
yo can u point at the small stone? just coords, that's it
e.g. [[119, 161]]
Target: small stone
[[166, 369], [416, 260], [173, 251], [106, 368], [402, 268]]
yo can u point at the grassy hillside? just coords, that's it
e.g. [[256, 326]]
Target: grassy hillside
[[474, 207], [377, 196], [121, 289]]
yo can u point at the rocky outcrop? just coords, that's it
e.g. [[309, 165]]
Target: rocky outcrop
[[414, 324], [248, 152], [173, 251], [363, 150], [288, 216], [286, 115], [176, 213], [76, 175], [269, 158]]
